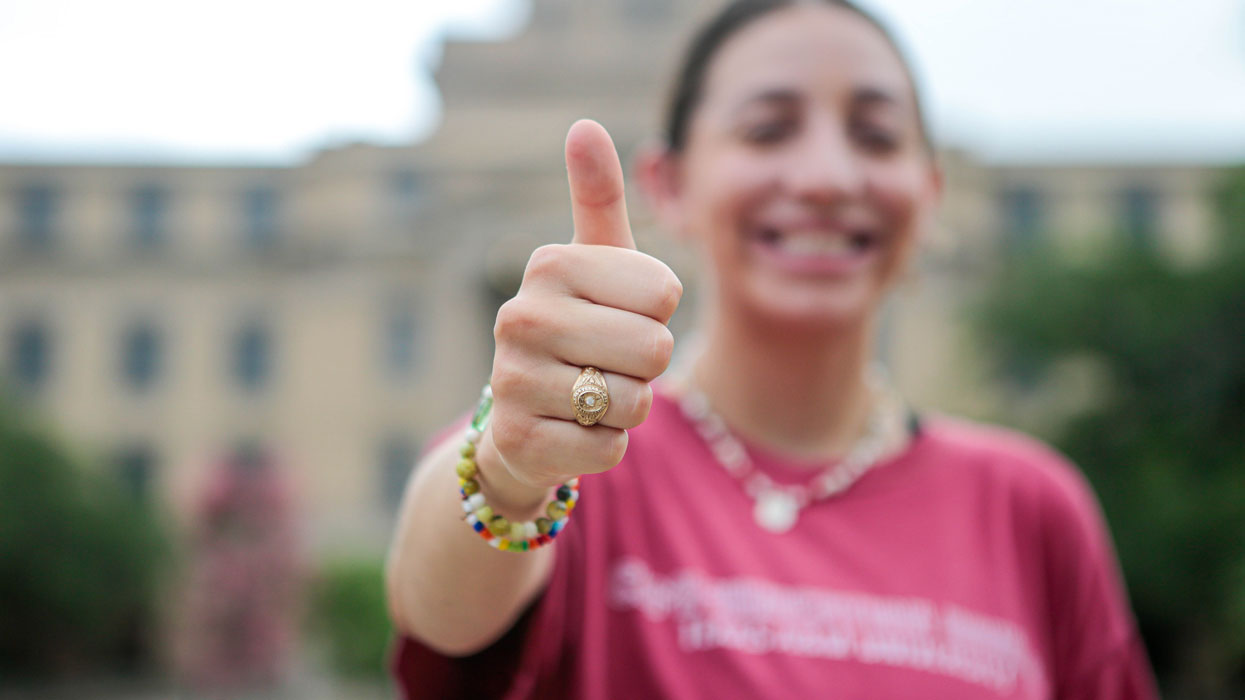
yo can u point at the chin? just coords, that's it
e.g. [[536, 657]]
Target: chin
[[809, 307]]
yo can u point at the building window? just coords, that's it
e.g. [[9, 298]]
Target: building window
[[30, 355], [397, 459], [400, 341], [406, 192], [259, 216], [140, 356], [1140, 215], [36, 217], [149, 206], [1024, 217], [135, 468], [1023, 373], [406, 186], [252, 356]]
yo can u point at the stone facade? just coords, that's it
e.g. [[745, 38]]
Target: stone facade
[[340, 310]]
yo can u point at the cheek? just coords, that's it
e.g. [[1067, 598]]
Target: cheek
[[898, 194], [726, 188], [899, 197]]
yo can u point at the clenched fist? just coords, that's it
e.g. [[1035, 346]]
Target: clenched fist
[[596, 301]]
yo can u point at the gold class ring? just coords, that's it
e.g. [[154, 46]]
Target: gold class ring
[[590, 397]]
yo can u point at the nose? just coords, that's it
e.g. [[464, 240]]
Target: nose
[[823, 166]]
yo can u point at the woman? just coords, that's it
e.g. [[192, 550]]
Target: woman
[[767, 521]]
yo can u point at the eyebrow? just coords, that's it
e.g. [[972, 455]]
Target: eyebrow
[[872, 95], [780, 95], [865, 95]]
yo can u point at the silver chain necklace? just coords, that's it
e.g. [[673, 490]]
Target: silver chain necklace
[[777, 506]]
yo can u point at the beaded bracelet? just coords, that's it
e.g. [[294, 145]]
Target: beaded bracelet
[[499, 532]]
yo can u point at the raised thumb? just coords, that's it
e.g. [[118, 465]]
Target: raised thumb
[[598, 204]]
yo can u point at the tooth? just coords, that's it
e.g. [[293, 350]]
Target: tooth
[[816, 245]]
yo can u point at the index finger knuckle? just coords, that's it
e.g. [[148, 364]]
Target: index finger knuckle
[[546, 262], [671, 293], [660, 350]]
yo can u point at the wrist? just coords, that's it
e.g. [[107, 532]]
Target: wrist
[[507, 494], [497, 529]]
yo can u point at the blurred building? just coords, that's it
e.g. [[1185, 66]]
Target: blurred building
[[340, 311]]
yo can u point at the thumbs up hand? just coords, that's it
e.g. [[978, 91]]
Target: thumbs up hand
[[594, 302]]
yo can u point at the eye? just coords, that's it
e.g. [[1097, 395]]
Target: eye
[[877, 139], [768, 131]]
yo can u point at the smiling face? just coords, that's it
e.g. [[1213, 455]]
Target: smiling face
[[805, 176]]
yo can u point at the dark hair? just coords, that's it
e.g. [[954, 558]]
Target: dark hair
[[735, 16]]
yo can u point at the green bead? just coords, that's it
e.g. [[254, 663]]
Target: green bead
[[466, 468], [499, 526], [544, 525], [471, 486], [484, 514], [518, 532], [479, 420], [556, 510], [522, 545], [467, 450], [564, 493]]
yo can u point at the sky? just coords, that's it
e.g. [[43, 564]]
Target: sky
[[227, 80], [271, 81]]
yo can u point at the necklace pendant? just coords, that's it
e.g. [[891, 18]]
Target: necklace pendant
[[776, 511]]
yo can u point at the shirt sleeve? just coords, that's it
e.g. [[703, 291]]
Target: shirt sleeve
[[422, 673], [1099, 653], [1123, 674]]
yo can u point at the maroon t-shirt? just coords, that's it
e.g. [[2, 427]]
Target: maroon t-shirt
[[973, 565]]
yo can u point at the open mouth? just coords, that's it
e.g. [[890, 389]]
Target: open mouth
[[814, 243], [815, 250]]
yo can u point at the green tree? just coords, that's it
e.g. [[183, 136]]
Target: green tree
[[1164, 445], [79, 560], [350, 614]]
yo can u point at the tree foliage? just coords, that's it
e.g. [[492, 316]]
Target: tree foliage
[[350, 614], [79, 560], [1164, 445]]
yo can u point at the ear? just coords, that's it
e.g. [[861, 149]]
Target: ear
[[657, 171]]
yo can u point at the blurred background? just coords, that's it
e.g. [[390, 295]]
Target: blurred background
[[250, 256]]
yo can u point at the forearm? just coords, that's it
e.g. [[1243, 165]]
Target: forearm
[[446, 586]]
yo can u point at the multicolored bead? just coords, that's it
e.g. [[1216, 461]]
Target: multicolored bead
[[466, 468], [556, 510], [499, 526]]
